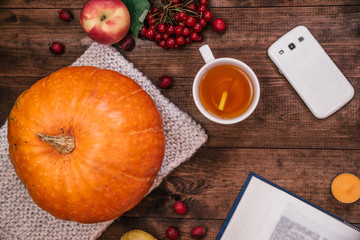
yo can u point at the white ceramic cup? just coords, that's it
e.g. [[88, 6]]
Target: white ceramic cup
[[211, 62]]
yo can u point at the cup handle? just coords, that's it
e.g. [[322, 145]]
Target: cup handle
[[206, 53]]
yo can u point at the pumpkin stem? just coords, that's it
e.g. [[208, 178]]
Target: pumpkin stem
[[63, 143]]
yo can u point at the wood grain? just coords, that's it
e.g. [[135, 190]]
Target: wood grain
[[281, 119], [229, 3], [250, 32], [282, 141], [216, 175]]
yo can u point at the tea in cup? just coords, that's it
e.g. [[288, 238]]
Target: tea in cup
[[225, 90]]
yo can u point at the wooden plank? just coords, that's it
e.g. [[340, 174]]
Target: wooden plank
[[157, 227], [28, 33], [211, 180], [281, 119], [212, 3]]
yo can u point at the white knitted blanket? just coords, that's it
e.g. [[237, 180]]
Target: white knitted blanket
[[21, 218]]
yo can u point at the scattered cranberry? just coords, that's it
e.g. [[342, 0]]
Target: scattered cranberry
[[180, 207], [56, 48], [127, 44], [198, 232], [207, 15], [203, 2], [65, 15], [219, 25], [172, 233], [165, 81]]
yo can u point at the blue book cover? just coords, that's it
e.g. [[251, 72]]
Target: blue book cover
[[280, 214]]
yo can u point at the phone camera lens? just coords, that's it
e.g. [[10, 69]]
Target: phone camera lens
[[291, 46]]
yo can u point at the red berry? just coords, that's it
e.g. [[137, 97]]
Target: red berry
[[179, 206], [56, 48], [175, 2], [197, 27], [180, 40], [188, 40], [200, 38], [149, 16], [172, 233], [162, 44], [150, 33], [191, 7], [155, 10], [170, 29], [178, 30], [164, 81], [203, 22], [152, 21], [158, 37], [202, 8], [207, 15], [153, 27], [182, 16], [194, 36], [177, 17], [127, 44], [181, 24], [190, 21], [186, 31], [161, 27], [176, 47], [198, 232], [203, 2], [165, 36], [142, 33], [219, 25], [170, 42], [65, 15]]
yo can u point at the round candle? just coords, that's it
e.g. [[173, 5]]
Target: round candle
[[346, 188]]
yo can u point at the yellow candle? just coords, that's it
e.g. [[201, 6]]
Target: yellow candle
[[346, 188]]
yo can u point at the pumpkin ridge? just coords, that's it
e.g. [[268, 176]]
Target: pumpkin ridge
[[128, 95]]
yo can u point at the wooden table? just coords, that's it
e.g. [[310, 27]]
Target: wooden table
[[282, 140]]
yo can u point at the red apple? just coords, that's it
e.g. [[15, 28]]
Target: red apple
[[105, 21]]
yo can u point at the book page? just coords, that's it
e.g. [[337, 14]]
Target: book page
[[266, 212]]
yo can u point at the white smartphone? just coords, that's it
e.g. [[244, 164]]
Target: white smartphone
[[311, 72]]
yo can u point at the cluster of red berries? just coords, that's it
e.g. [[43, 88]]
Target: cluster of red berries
[[172, 232], [176, 24]]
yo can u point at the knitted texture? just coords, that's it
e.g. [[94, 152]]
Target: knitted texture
[[21, 218]]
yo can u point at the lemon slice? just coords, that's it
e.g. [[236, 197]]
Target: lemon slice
[[223, 100]]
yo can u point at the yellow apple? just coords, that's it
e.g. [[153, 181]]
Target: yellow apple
[[105, 21]]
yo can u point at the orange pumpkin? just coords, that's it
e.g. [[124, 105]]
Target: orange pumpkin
[[86, 142]]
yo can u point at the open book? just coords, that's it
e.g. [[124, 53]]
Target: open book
[[265, 211]]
